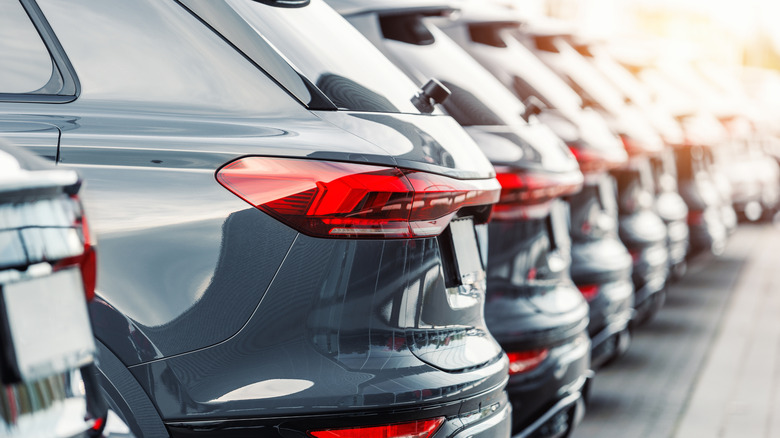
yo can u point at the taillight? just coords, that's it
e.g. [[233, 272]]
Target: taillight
[[521, 188], [695, 217], [88, 264], [524, 361], [632, 146], [589, 291], [414, 429], [350, 200], [87, 260], [593, 161], [636, 254]]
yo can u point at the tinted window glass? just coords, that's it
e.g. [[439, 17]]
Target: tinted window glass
[[26, 65], [478, 98], [243, 36], [328, 51]]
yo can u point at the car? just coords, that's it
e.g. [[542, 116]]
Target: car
[[601, 264], [289, 246], [667, 204], [708, 232], [702, 186], [640, 228], [532, 306], [672, 209], [47, 274]]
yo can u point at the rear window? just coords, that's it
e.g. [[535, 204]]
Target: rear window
[[321, 46], [478, 98], [28, 70]]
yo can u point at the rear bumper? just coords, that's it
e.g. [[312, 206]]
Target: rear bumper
[[612, 341], [536, 396], [564, 415], [650, 273], [709, 237], [677, 242], [487, 415]]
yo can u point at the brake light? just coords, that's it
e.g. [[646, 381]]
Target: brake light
[[589, 291], [635, 254], [88, 263], [593, 161], [414, 429], [87, 260], [524, 361], [695, 217], [521, 188], [350, 200]]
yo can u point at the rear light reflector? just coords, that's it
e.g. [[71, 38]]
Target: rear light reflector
[[524, 361], [522, 188], [589, 291], [350, 200], [414, 429]]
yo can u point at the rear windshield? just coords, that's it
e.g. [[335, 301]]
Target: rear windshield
[[538, 79], [321, 46], [588, 80], [477, 97]]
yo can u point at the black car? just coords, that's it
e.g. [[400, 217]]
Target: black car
[[289, 246], [668, 203], [671, 207], [641, 229], [703, 132], [533, 308], [708, 232], [644, 234], [601, 265], [47, 274]]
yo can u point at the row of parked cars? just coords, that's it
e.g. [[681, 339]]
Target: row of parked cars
[[340, 218]]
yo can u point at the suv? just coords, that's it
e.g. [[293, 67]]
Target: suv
[[533, 308], [601, 265], [641, 229], [289, 247]]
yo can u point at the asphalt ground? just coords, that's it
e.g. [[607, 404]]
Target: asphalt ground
[[707, 364]]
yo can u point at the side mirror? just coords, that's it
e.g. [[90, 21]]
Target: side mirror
[[533, 107], [430, 94]]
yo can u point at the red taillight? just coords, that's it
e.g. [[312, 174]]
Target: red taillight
[[695, 217], [98, 424], [593, 161], [414, 429], [524, 361], [635, 254], [631, 145], [589, 291], [521, 189], [349, 200], [86, 261]]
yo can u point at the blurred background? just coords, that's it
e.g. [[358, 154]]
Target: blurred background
[[735, 33]]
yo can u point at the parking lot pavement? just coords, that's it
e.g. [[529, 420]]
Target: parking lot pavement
[[683, 370], [738, 391]]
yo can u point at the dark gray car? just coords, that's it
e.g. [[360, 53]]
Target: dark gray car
[[289, 247]]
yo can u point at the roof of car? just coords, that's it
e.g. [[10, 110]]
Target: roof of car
[[353, 7]]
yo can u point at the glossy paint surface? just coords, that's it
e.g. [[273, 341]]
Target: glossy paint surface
[[347, 333], [219, 310]]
